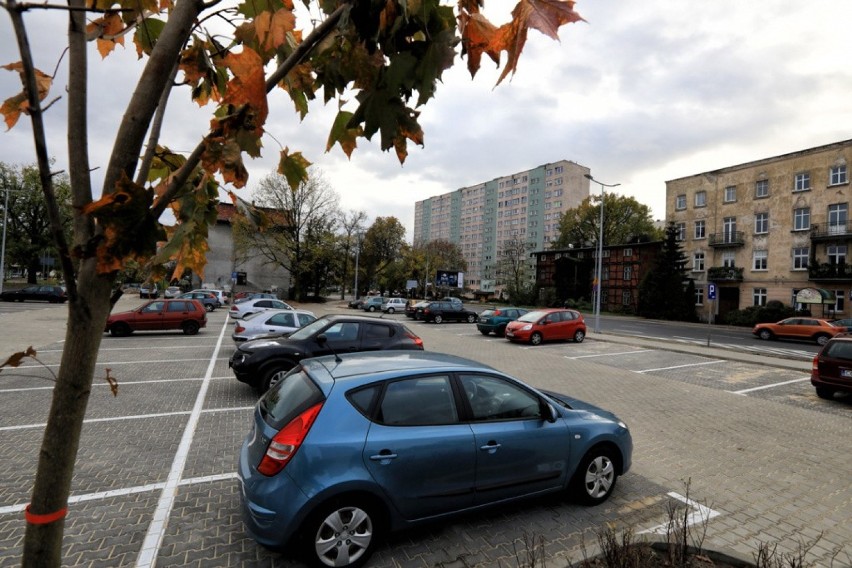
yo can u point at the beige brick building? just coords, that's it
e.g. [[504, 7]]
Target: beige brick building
[[766, 229]]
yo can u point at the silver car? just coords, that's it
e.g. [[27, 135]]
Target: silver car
[[268, 322]]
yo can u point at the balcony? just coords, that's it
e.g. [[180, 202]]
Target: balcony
[[830, 272], [726, 239], [831, 232], [724, 274]]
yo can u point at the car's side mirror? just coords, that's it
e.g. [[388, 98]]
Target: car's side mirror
[[549, 412], [322, 339]]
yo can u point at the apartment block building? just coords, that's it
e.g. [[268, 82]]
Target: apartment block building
[[766, 229], [481, 218]]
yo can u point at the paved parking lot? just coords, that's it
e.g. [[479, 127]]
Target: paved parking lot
[[155, 481]]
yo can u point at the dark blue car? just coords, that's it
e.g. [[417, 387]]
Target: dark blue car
[[347, 447]]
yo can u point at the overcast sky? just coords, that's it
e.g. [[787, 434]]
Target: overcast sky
[[641, 93]]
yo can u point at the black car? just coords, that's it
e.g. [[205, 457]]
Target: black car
[[52, 294], [207, 299], [263, 362], [442, 311]]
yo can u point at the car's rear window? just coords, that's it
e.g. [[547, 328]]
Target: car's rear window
[[839, 350], [487, 313], [294, 394]]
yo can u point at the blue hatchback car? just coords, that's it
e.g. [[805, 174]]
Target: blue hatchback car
[[345, 448]]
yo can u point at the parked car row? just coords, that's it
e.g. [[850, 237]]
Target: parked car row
[[45, 293]]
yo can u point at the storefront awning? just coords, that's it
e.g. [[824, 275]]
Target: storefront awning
[[815, 296]]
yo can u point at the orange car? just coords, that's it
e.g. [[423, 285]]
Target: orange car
[[807, 329]]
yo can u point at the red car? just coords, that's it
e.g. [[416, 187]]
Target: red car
[[547, 325], [157, 315], [832, 367]]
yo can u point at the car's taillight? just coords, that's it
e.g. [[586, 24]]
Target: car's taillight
[[287, 441], [815, 366], [239, 329], [417, 341]]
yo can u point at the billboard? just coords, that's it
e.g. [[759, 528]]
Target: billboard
[[449, 278]]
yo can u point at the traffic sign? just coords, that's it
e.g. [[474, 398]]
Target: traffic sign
[[711, 291]]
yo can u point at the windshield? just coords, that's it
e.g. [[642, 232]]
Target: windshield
[[310, 329], [532, 316]]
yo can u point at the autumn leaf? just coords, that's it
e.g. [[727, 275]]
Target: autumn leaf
[[112, 381], [477, 38], [224, 155], [14, 106], [107, 31], [294, 167], [147, 33], [343, 135], [15, 359]]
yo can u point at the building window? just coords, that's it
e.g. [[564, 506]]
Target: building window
[[701, 199], [604, 273], [837, 175], [680, 202], [698, 262], [760, 261], [761, 223], [699, 230], [800, 258], [838, 300], [730, 194], [681, 231], [699, 296], [628, 272], [802, 219], [803, 182], [837, 217], [628, 252], [728, 259], [729, 228], [836, 254], [761, 188], [759, 296], [626, 297]]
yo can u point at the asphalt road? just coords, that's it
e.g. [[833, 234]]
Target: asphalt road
[[764, 457]]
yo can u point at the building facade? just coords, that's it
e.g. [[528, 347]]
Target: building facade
[[482, 218], [766, 229], [570, 273]]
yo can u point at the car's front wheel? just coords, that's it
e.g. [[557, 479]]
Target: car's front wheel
[[390, 310], [120, 330], [536, 338], [274, 375], [343, 533], [438, 318], [764, 334], [372, 308], [484, 332], [471, 318], [595, 478], [190, 327], [209, 307]]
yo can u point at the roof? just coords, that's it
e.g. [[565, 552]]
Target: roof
[[377, 362]]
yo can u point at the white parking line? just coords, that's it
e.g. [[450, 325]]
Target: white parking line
[[609, 354], [701, 514], [125, 491], [120, 383], [772, 386], [145, 362], [157, 529], [682, 366]]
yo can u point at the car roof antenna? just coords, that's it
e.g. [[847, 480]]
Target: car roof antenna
[[323, 340]]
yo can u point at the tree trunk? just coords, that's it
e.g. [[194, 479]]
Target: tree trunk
[[87, 315], [33, 268]]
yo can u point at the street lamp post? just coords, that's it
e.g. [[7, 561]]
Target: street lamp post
[[599, 264], [357, 257]]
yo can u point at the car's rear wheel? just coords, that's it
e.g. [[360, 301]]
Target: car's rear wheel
[[484, 332], [343, 533], [536, 338], [471, 318], [390, 310], [209, 307], [120, 330], [825, 393], [438, 318], [821, 339], [372, 308], [190, 327], [501, 331], [579, 336], [764, 334], [595, 478]]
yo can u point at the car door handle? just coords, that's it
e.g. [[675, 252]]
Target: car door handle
[[490, 447], [384, 456]]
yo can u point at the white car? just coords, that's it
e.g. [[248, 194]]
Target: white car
[[270, 321], [243, 309], [172, 292], [391, 305]]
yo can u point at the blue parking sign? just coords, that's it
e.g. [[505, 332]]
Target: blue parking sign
[[711, 291]]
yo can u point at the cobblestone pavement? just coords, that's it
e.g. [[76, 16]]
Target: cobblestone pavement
[[759, 449]]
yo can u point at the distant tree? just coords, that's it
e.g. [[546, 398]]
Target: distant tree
[[425, 258], [513, 270], [351, 228], [382, 245], [624, 218], [666, 292], [274, 229], [28, 234]]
